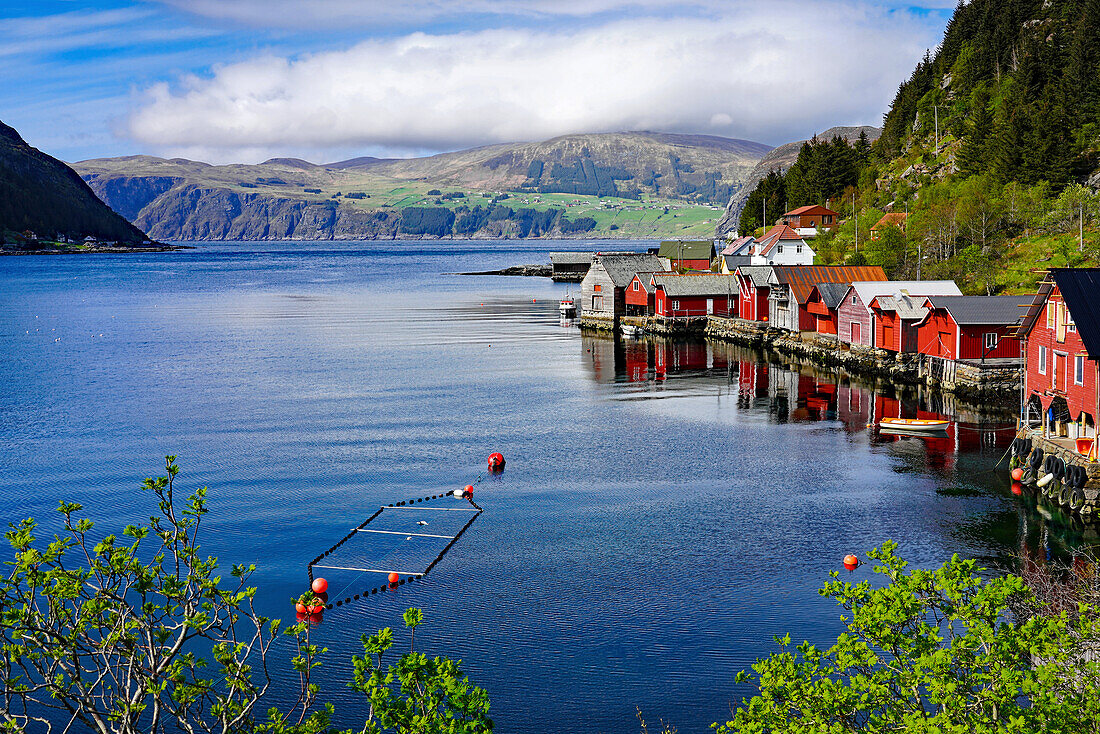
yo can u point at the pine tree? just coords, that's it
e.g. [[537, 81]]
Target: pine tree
[[972, 157]]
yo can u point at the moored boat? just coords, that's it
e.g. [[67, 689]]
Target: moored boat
[[630, 330], [915, 425], [567, 307]]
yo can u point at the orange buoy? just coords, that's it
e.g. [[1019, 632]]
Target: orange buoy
[[1017, 474], [468, 489], [1017, 488], [851, 562], [394, 577], [300, 608], [320, 586], [315, 608]]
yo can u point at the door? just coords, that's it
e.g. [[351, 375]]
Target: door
[[710, 306], [1060, 371], [857, 336], [888, 338]]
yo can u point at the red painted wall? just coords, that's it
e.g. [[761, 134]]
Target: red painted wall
[[887, 330], [686, 264], [752, 303], [689, 305], [637, 297], [1080, 398], [938, 336], [972, 343]]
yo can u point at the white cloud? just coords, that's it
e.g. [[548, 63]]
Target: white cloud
[[752, 73]]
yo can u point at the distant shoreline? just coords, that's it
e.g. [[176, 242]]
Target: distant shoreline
[[92, 249]]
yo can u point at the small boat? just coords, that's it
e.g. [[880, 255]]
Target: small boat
[[914, 425], [630, 330], [567, 307]]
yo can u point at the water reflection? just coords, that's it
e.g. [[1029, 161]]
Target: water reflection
[[965, 460]]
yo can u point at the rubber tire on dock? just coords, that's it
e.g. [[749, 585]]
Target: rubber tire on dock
[[1076, 499], [1064, 495]]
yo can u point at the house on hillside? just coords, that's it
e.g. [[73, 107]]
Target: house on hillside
[[972, 328], [1060, 331], [752, 292], [790, 287], [569, 266], [807, 221], [688, 254], [693, 295], [856, 322], [823, 301], [781, 245], [736, 253], [889, 220], [603, 290]]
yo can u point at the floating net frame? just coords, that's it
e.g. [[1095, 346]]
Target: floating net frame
[[475, 511]]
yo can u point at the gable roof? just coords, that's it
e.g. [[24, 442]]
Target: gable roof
[[687, 250], [831, 293], [802, 278], [697, 284], [906, 306], [981, 310], [571, 258], [1079, 288], [894, 219], [758, 274], [776, 235], [646, 279], [810, 209], [621, 267], [870, 291], [736, 246]]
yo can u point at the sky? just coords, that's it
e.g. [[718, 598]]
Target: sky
[[245, 80]]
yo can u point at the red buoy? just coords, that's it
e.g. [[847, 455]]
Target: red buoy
[[1017, 474], [320, 586], [300, 608], [1017, 488], [496, 460], [315, 608], [851, 562], [468, 489], [394, 577]]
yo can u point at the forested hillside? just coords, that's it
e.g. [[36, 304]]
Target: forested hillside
[[991, 147]]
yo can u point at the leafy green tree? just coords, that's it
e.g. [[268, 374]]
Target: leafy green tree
[[887, 249], [418, 694], [931, 651]]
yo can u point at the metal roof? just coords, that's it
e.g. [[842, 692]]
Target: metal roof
[[622, 267], [1080, 288], [907, 307], [701, 284], [571, 258], [687, 250], [982, 310], [803, 278], [831, 293], [739, 246]]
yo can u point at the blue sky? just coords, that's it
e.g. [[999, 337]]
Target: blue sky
[[244, 80]]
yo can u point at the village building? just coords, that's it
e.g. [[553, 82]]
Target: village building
[[640, 295], [972, 328], [1061, 335], [790, 287], [808, 221], [736, 253], [603, 289], [694, 295], [688, 254], [823, 302], [780, 245], [569, 266], [895, 319], [752, 292], [856, 321], [894, 219]]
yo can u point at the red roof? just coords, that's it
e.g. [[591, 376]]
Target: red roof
[[894, 219], [811, 209], [802, 278], [775, 235]]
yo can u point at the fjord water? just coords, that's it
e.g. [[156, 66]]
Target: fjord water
[[666, 509]]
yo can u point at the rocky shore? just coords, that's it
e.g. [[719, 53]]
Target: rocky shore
[[543, 271], [86, 248]]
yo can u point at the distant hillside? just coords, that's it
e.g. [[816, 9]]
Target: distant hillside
[[636, 184], [42, 195], [780, 159]]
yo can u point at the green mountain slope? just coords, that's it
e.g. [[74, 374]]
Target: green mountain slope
[[610, 185], [991, 148], [42, 195]]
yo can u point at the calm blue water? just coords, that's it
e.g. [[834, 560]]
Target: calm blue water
[[666, 509]]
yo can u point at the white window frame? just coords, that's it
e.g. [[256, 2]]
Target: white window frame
[[1079, 369], [1042, 360], [853, 300], [675, 305], [990, 339], [1052, 321], [798, 249], [779, 249], [1070, 325]]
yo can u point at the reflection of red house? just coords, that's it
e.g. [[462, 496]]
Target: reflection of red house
[[752, 291], [972, 328], [636, 360], [752, 379], [1061, 333]]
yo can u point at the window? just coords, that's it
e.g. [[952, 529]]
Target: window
[[1079, 370], [1051, 311], [1070, 325], [853, 300], [675, 305], [597, 287], [989, 339], [635, 285], [779, 249], [1042, 360], [798, 249]]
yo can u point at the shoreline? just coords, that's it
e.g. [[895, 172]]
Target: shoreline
[[91, 249]]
